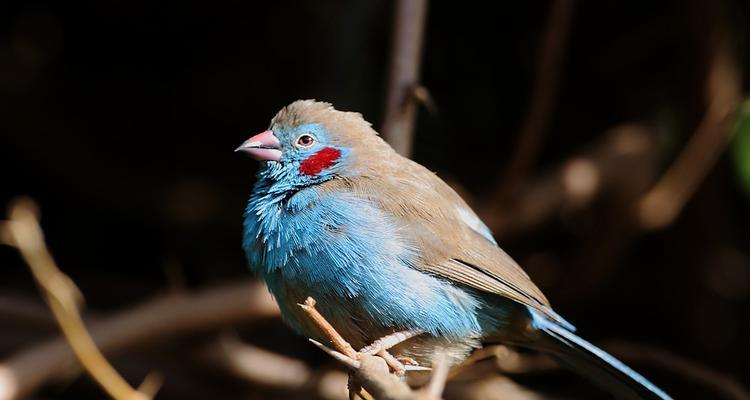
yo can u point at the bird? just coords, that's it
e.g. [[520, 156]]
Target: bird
[[391, 253]]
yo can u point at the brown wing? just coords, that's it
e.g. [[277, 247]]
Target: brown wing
[[449, 235]]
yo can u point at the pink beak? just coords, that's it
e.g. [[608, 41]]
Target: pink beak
[[262, 147]]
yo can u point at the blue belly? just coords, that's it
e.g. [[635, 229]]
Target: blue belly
[[346, 253]]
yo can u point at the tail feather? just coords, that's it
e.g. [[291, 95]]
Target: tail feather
[[596, 364]]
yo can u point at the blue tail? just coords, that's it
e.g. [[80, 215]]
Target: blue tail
[[585, 358]]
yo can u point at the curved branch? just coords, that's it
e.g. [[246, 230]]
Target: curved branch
[[662, 204], [62, 296], [157, 319]]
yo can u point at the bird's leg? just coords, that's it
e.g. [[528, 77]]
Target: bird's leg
[[388, 341], [380, 348]]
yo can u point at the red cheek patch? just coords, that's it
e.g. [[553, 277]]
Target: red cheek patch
[[319, 161]]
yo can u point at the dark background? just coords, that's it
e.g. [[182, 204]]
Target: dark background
[[120, 118]]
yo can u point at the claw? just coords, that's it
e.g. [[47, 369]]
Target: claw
[[407, 360], [411, 368], [396, 366]]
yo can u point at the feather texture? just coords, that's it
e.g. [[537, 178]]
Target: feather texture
[[385, 245]]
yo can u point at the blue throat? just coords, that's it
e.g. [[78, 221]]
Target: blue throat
[[265, 234]]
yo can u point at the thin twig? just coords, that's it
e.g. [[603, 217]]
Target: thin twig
[[403, 74], [63, 298], [328, 330], [543, 96]]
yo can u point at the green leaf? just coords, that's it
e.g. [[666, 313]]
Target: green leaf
[[741, 146]]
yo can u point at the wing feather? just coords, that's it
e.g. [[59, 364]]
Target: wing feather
[[451, 240]]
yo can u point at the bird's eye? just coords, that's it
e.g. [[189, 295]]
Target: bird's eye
[[305, 140]]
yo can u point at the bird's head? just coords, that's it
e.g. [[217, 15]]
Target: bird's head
[[309, 142]]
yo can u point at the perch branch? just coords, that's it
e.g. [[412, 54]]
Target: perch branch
[[24, 233], [435, 387], [330, 333], [403, 75], [371, 372]]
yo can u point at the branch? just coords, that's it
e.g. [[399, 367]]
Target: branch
[[403, 74], [662, 204], [543, 97], [372, 372], [624, 160], [490, 360], [63, 298], [327, 329], [691, 371], [17, 310], [257, 365], [155, 320]]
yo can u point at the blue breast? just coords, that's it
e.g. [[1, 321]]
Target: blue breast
[[346, 253]]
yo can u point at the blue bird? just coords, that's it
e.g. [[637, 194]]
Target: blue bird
[[389, 250]]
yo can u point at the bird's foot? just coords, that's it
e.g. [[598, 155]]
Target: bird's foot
[[398, 365], [407, 360], [380, 348], [344, 352]]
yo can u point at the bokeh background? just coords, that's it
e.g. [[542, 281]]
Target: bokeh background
[[120, 119]]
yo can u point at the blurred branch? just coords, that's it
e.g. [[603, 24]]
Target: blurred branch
[[23, 232], [624, 166], [624, 160], [271, 370], [155, 320], [491, 387], [662, 204], [403, 75], [257, 365], [498, 358], [691, 371], [543, 96], [494, 358], [25, 311]]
